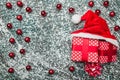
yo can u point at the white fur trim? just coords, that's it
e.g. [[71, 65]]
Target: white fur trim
[[88, 35]]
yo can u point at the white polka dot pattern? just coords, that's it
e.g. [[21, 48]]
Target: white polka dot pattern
[[76, 56], [104, 46], [93, 57], [93, 42], [114, 57], [77, 41], [103, 59]]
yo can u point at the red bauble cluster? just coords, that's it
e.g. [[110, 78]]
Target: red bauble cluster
[[116, 28], [19, 17], [59, 6], [19, 3], [12, 40], [51, 71], [43, 13], [91, 3], [106, 3], [112, 14], [27, 39], [28, 9], [28, 67], [97, 11], [71, 10], [11, 54], [9, 25], [8, 5], [11, 70], [19, 32], [71, 68], [22, 51]]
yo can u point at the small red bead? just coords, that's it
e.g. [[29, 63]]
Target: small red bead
[[19, 17], [9, 25], [28, 9], [20, 3], [71, 68], [59, 6], [28, 67], [43, 13], [8, 5], [12, 40], [51, 71], [91, 3], [97, 11], [112, 14], [22, 51], [106, 3], [19, 32], [11, 70], [11, 54], [71, 10], [27, 39], [116, 28]]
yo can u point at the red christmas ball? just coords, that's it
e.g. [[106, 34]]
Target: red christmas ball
[[22, 51], [71, 68], [9, 25], [28, 67], [91, 3], [28, 9], [116, 28], [71, 10], [51, 71], [59, 6], [112, 14], [11, 54], [19, 17], [27, 39], [12, 40], [11, 70], [8, 5], [20, 3], [97, 11], [19, 32], [43, 13], [106, 3]]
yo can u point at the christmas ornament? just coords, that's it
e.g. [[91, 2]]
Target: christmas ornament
[[71, 68], [106, 3], [91, 3], [59, 6], [91, 43], [20, 3], [19, 17], [9, 25], [51, 71], [28, 9], [11, 70], [8, 5], [43, 13], [71, 10], [12, 40], [27, 39], [116, 28], [97, 11], [22, 51], [28, 67], [112, 14], [19, 32], [11, 54]]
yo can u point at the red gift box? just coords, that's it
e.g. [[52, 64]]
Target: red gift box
[[92, 50]]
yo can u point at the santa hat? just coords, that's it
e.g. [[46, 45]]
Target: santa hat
[[95, 27]]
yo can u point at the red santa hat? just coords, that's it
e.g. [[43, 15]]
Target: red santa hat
[[95, 27]]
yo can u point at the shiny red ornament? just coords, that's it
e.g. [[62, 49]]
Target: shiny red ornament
[[28, 67], [28, 9], [106, 3], [112, 14], [12, 40], [97, 11], [11, 70], [59, 6], [9, 25], [43, 13], [8, 5], [11, 54], [22, 51], [116, 28], [27, 39], [51, 71], [71, 10], [93, 69], [19, 32], [91, 3], [71, 68], [19, 17], [20, 3]]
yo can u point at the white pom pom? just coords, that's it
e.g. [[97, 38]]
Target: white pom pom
[[76, 18]]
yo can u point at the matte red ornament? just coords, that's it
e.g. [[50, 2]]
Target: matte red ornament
[[59, 6], [12, 40], [9, 25], [116, 28], [97, 11], [20, 3], [71, 10], [43, 13], [71, 68], [19, 32], [8, 5], [22, 51], [19, 17], [51, 71], [91, 3], [27, 39], [28, 67], [11, 54], [112, 14], [28, 9], [106, 3], [11, 70]]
